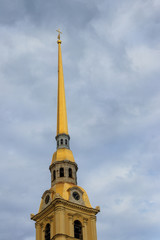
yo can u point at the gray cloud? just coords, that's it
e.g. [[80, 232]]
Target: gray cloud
[[111, 70]]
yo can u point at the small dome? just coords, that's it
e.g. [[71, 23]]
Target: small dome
[[63, 154]]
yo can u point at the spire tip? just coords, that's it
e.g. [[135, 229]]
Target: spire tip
[[59, 36]]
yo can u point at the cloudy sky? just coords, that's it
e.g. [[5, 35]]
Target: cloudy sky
[[111, 61]]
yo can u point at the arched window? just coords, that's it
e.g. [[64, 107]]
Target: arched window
[[47, 232], [61, 172], [61, 141], [70, 172], [66, 141], [78, 230], [54, 175]]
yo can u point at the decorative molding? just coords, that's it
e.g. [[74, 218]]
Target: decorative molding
[[57, 195], [70, 215], [93, 218], [62, 134], [98, 208], [59, 208], [51, 217], [46, 219], [61, 234], [76, 188], [85, 220], [64, 161], [37, 224], [63, 202], [42, 225], [47, 191]]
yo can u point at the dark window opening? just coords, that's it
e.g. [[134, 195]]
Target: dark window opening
[[47, 199], [61, 172], [47, 232], [70, 172], [66, 141], [78, 229], [54, 175], [57, 143], [61, 141]]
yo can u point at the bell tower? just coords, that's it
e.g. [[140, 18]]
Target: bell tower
[[65, 212]]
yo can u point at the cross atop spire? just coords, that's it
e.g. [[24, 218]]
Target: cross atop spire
[[59, 32]]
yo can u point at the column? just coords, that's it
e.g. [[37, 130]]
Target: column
[[93, 228], [42, 231], [60, 220], [85, 229], [52, 228], [71, 230], [38, 231]]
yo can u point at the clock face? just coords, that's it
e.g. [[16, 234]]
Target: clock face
[[47, 199], [76, 195]]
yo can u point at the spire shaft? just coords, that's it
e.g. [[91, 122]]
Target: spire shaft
[[62, 126]]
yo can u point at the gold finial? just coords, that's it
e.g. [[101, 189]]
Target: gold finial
[[58, 33]]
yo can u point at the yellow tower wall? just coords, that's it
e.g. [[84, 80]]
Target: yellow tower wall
[[61, 215]]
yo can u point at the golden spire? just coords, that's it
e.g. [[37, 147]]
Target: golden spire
[[62, 126]]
